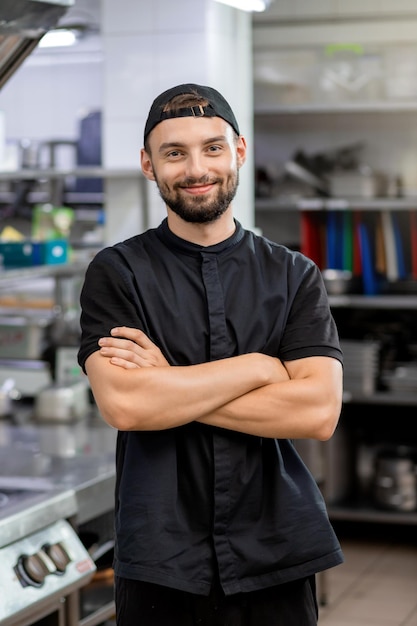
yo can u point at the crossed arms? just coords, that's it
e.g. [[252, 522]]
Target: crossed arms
[[136, 389]]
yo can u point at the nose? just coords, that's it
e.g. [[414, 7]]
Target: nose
[[196, 166]]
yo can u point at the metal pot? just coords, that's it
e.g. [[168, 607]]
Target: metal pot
[[338, 282], [395, 485]]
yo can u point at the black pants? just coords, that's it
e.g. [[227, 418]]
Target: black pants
[[144, 604]]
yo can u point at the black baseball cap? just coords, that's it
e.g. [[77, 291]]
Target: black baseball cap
[[217, 107]]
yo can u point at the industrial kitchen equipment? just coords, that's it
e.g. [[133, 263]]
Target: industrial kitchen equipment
[[42, 560], [47, 500], [23, 23]]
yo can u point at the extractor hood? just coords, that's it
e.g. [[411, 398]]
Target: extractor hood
[[22, 24]]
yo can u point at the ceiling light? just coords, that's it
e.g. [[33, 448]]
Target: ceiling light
[[57, 38], [247, 5]]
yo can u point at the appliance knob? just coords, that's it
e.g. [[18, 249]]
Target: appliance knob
[[58, 555], [32, 569]]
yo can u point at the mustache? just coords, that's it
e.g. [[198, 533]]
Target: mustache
[[190, 181]]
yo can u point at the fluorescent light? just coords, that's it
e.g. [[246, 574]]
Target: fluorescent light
[[57, 38], [247, 5]]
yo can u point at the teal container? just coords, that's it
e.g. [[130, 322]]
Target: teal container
[[15, 254]]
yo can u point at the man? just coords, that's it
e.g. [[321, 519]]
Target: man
[[209, 348]]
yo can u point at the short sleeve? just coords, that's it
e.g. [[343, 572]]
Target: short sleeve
[[310, 328], [107, 300]]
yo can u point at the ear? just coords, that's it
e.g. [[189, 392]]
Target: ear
[[241, 151], [146, 164]]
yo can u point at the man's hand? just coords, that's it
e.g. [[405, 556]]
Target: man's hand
[[131, 348]]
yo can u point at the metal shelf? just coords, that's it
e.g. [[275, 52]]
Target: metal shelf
[[78, 172], [14, 277], [336, 204], [392, 302], [383, 398], [377, 106], [356, 513], [69, 197]]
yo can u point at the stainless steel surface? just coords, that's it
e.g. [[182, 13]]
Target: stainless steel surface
[[40, 568], [74, 482], [53, 479], [22, 24]]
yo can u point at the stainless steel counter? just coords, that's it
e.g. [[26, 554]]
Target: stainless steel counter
[[54, 471]]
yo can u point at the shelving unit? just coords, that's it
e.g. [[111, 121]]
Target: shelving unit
[[281, 131], [372, 421], [353, 500], [55, 178], [57, 187]]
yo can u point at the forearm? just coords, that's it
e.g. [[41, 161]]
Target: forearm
[[256, 394], [154, 398], [299, 408]]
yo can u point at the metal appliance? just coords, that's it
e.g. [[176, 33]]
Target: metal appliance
[[39, 571], [22, 24], [43, 563]]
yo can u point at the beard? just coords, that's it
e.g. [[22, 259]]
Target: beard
[[199, 209]]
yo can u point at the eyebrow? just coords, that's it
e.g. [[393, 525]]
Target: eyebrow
[[177, 144]]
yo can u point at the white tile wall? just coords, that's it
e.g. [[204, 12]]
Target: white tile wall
[[130, 69], [186, 16], [122, 143], [126, 218], [126, 16], [189, 41], [181, 58], [45, 102]]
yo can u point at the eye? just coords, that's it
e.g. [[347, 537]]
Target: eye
[[214, 148], [173, 154]]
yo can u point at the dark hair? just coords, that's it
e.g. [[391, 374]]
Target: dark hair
[[184, 100]]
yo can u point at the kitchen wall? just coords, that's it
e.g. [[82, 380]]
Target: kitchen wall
[[47, 96], [160, 45], [142, 49]]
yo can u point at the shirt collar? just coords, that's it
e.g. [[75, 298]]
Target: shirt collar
[[193, 249]]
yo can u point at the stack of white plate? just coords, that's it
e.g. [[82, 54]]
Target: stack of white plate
[[361, 365]]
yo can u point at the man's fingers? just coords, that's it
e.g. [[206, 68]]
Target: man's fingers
[[134, 334], [127, 365]]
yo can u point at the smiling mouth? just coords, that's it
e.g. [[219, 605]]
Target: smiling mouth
[[197, 190]]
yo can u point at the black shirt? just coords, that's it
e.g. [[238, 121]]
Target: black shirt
[[197, 501]]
